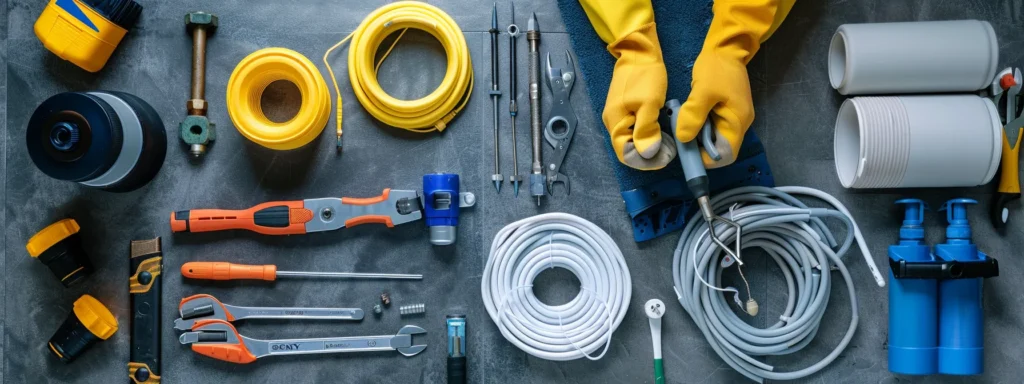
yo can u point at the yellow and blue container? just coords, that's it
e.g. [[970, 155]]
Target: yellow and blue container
[[86, 32]]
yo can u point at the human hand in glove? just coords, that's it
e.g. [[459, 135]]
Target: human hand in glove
[[721, 85], [639, 82]]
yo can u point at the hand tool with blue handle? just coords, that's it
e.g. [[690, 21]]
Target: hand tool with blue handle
[[697, 177]]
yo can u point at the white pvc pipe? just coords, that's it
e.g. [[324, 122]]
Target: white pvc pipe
[[917, 141], [913, 57]]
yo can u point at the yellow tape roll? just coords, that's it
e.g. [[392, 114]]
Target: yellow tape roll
[[245, 89], [430, 113]]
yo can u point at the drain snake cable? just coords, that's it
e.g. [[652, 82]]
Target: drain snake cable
[[797, 240], [427, 114]]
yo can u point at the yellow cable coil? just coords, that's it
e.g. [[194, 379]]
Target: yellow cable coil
[[245, 89], [430, 113]]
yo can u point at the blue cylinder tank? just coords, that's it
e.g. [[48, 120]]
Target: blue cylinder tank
[[912, 302], [961, 327]]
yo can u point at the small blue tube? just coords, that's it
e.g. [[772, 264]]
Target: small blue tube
[[961, 326], [913, 303]]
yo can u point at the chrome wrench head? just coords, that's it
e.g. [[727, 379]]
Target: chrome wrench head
[[403, 343]]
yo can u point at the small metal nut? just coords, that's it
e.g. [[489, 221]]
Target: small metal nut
[[377, 310], [196, 107], [194, 19], [385, 299]]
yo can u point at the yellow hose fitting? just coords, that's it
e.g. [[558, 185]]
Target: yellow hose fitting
[[429, 113], [245, 90]]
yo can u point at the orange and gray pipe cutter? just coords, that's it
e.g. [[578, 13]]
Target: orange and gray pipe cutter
[[440, 204]]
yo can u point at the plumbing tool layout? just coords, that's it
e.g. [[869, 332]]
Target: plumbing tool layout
[[199, 308], [561, 125], [220, 340]]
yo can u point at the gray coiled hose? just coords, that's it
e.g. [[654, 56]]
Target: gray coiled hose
[[795, 237], [579, 328]]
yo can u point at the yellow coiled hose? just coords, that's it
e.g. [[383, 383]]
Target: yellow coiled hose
[[430, 113], [245, 89]]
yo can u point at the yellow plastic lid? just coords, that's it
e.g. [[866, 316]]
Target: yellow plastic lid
[[95, 317], [51, 235]]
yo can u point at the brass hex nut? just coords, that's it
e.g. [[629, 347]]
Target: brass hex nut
[[196, 107], [194, 19]]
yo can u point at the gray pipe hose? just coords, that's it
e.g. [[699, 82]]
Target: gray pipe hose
[[795, 237]]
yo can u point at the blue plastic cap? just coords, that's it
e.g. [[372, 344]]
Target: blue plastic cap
[[913, 216], [956, 214], [441, 199]]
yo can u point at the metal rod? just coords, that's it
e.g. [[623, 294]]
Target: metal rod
[[199, 63], [496, 177], [513, 108], [536, 177], [351, 275]]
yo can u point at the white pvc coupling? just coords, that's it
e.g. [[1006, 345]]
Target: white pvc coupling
[[917, 141], [913, 57]]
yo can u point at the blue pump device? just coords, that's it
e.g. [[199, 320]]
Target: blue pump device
[[441, 203], [960, 314], [935, 313], [913, 334]]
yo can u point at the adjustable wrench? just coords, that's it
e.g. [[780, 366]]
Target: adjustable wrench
[[220, 340], [198, 308], [561, 125]]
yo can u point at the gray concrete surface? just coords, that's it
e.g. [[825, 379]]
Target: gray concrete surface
[[795, 109]]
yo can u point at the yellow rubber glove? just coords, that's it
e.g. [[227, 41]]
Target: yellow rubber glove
[[721, 85], [639, 82]]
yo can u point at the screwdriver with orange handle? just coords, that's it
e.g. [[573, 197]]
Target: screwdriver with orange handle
[[202, 270], [391, 208]]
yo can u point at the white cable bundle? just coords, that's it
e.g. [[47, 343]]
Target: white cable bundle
[[524, 249], [797, 240]]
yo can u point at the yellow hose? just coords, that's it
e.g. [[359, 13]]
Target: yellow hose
[[429, 113], [245, 89]]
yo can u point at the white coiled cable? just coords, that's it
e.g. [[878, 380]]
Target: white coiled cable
[[524, 249], [795, 237]]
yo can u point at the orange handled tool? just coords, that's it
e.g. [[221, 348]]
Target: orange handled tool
[[1010, 82], [227, 271], [220, 340], [392, 207]]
